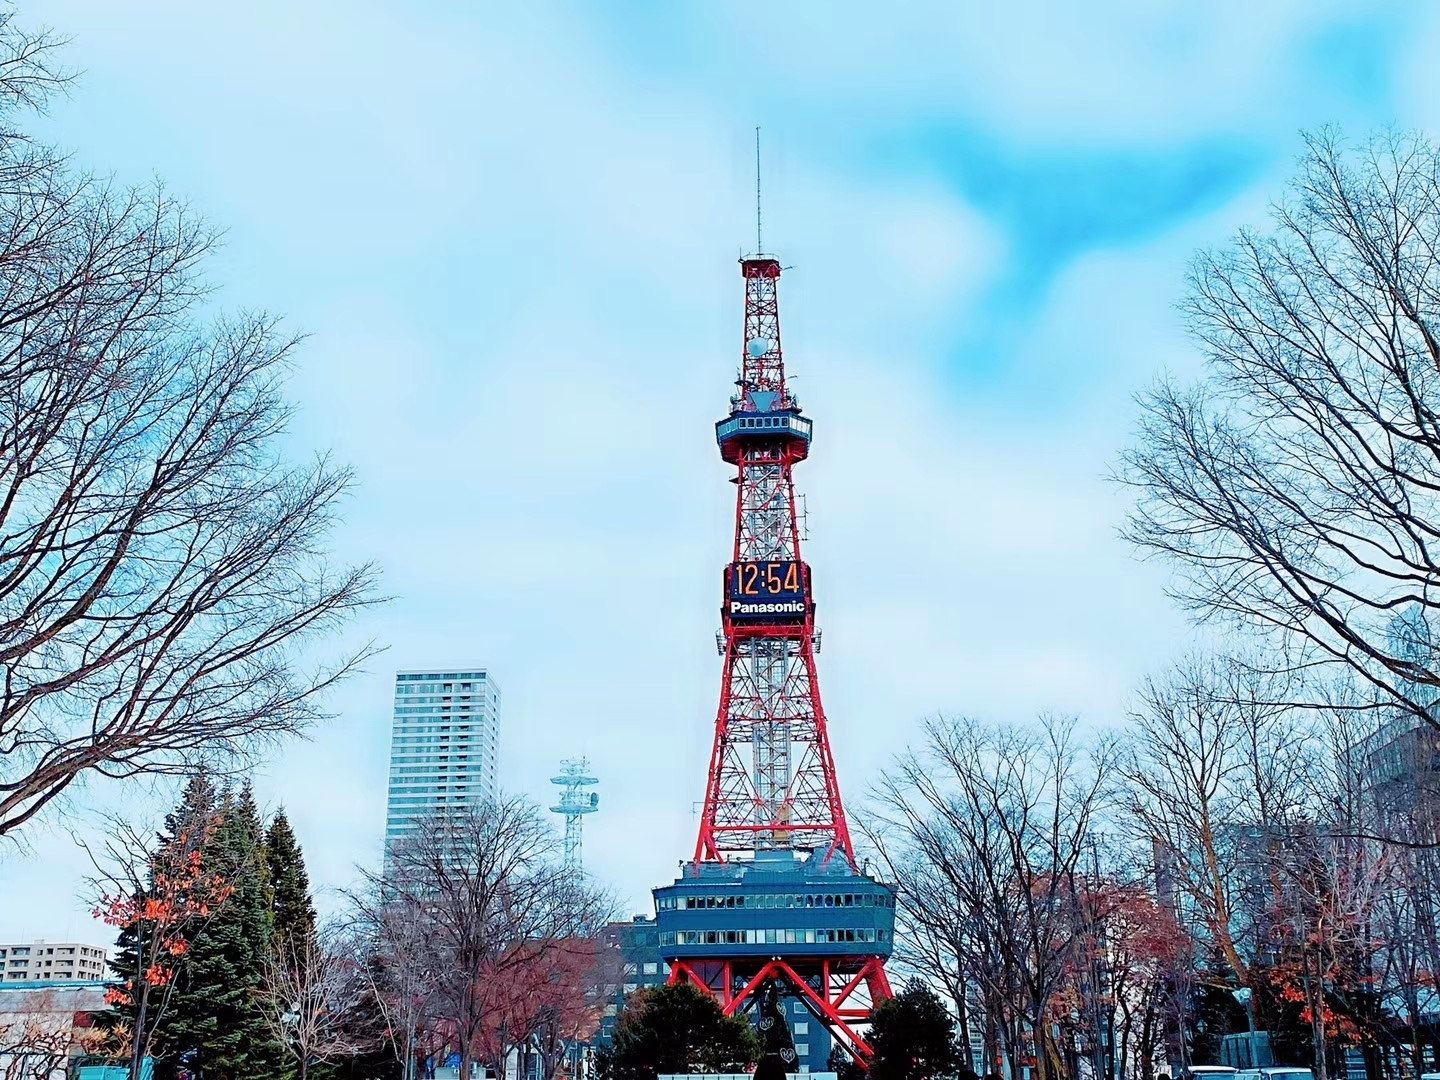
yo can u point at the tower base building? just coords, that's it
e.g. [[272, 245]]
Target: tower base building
[[821, 932]]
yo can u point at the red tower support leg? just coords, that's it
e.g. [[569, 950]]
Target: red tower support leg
[[833, 1009]]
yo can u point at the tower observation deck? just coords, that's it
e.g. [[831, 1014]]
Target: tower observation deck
[[773, 892]]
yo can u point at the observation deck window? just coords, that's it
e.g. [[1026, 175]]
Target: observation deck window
[[829, 935], [776, 900]]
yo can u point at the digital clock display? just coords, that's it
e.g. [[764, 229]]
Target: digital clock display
[[776, 590]]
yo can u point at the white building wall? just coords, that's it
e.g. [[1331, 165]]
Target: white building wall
[[51, 961]]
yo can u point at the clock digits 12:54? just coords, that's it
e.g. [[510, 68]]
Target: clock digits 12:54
[[774, 590]]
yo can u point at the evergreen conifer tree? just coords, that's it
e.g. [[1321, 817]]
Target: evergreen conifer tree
[[292, 914], [217, 1025], [913, 1036], [677, 1029]]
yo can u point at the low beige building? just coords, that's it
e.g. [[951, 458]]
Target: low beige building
[[51, 961]]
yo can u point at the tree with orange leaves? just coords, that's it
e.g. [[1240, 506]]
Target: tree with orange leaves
[[160, 896]]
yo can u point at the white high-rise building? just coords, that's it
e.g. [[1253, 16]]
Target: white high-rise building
[[443, 745]]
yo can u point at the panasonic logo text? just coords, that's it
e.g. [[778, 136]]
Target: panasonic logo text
[[787, 607]]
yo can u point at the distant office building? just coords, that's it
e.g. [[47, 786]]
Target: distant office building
[[633, 961], [52, 961], [1401, 759], [1402, 770], [442, 747]]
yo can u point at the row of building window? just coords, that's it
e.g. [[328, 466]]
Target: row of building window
[[418, 785], [445, 712], [771, 422], [54, 950], [415, 785], [426, 800], [450, 688], [411, 697], [776, 900], [828, 935]]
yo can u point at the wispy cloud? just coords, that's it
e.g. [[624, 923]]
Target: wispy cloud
[[510, 232]]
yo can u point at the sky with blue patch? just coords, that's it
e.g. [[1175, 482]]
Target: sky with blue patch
[[510, 233]]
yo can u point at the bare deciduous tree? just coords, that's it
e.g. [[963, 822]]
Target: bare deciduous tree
[[996, 824], [39, 1041], [392, 951], [482, 894], [1297, 486], [160, 562], [1216, 779], [311, 987]]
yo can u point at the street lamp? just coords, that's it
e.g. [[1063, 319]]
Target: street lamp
[[1244, 996]]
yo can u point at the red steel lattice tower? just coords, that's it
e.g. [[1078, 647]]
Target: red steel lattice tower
[[771, 782], [773, 894]]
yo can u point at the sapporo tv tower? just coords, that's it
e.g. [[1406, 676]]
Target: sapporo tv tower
[[773, 893]]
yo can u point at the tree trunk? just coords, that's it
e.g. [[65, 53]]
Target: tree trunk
[[991, 1037], [1315, 998], [1011, 1044], [1147, 1044], [137, 1040], [962, 1022]]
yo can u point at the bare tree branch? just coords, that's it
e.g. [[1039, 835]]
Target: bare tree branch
[[163, 568], [1297, 486]]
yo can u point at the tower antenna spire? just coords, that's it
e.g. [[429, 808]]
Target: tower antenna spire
[[758, 246]]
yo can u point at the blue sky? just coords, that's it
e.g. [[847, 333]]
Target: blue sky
[[510, 232]]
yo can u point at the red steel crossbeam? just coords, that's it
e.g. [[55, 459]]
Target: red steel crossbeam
[[829, 1007]]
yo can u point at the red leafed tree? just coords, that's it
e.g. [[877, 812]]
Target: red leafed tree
[[1142, 948], [160, 900], [1324, 914], [552, 1000]]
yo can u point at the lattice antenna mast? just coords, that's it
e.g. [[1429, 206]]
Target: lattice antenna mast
[[773, 836], [575, 802]]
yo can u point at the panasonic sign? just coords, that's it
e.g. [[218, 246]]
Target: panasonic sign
[[760, 607]]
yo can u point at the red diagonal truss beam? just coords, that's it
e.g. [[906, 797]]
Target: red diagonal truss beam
[[831, 1008]]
